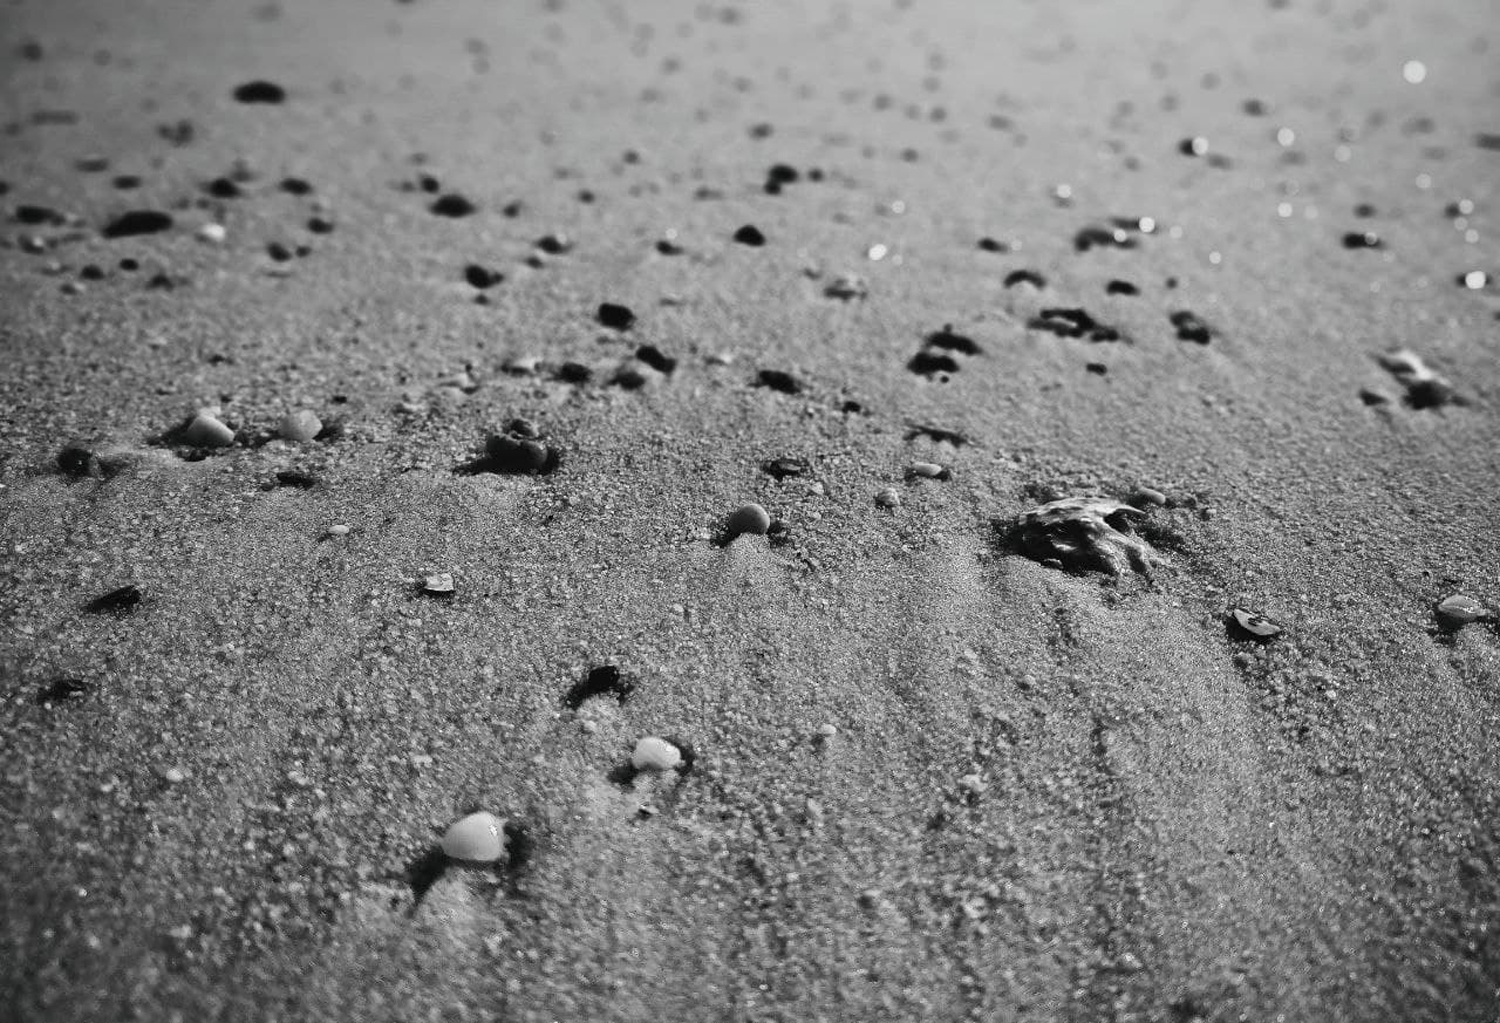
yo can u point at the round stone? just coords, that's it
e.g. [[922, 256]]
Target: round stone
[[477, 838], [1254, 625], [517, 456], [1147, 495], [927, 470], [206, 431], [750, 518], [1461, 610], [301, 426], [888, 498], [213, 234], [653, 754]]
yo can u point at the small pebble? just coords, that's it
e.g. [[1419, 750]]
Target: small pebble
[[300, 426], [1254, 626], [338, 529], [888, 498], [439, 584], [750, 235], [260, 91], [927, 470], [972, 784], [213, 234], [1146, 495], [1460, 610], [828, 731], [206, 431], [477, 838], [750, 518], [653, 754], [174, 775], [615, 316]]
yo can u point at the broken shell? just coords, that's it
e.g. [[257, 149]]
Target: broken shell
[[1084, 533], [1255, 626], [206, 431], [653, 754], [1460, 610], [477, 838]]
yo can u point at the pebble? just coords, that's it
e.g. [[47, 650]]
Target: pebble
[[616, 316], [452, 205], [260, 91], [477, 838], [338, 529], [512, 455], [750, 235], [300, 426], [213, 234], [1460, 609], [137, 222], [206, 431], [482, 277], [118, 601], [749, 518], [927, 470], [847, 287], [888, 498], [1146, 495], [174, 776], [439, 584], [653, 754], [828, 730]]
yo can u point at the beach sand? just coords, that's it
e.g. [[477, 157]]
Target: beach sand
[[1049, 793]]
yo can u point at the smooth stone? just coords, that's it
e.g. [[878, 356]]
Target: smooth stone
[[301, 426], [1255, 625], [1146, 495], [517, 456], [653, 754], [477, 838], [214, 234], [928, 470], [750, 518], [440, 583], [1461, 610], [205, 431], [888, 498]]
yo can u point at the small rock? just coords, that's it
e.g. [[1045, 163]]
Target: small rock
[[260, 91], [827, 730], [653, 754], [615, 316], [750, 235], [213, 234], [847, 287], [338, 529], [888, 498], [750, 518], [972, 784], [523, 457], [206, 431], [300, 427], [477, 838], [439, 584], [1146, 495], [1459, 610], [926, 470], [174, 776], [137, 222]]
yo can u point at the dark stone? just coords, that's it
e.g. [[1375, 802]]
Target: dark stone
[[482, 277], [778, 380], [1030, 277], [452, 205], [223, 188], [782, 468], [1119, 287], [615, 316], [554, 244], [260, 91], [932, 363], [319, 225], [750, 235], [1190, 327], [119, 602], [295, 186], [137, 222], [948, 341], [1363, 240], [654, 357]]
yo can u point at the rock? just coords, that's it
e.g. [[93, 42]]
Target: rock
[[749, 518], [888, 498], [1084, 533], [76, 460], [828, 730], [439, 584], [260, 91], [1249, 624], [616, 316], [477, 838], [205, 431], [1148, 496], [847, 287], [750, 235], [926, 470], [117, 602], [300, 427], [338, 529], [1459, 610], [653, 754], [213, 234], [518, 456], [137, 222]]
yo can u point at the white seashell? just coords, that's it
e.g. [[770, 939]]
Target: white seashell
[[477, 838]]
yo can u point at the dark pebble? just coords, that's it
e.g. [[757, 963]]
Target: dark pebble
[[1246, 624], [778, 380], [518, 456], [1094, 236], [1363, 240], [64, 690], [991, 245], [554, 244], [937, 433], [91, 272], [1190, 327], [601, 681], [750, 235], [615, 316], [482, 277], [1487, 140], [278, 252], [125, 182], [31, 214], [295, 186], [452, 205], [511, 209], [260, 91], [668, 248], [1097, 368], [948, 341], [137, 222], [129, 264], [293, 478], [120, 601], [653, 357], [1074, 323], [92, 164], [76, 460], [782, 174], [782, 468], [760, 131], [318, 225], [1364, 209], [179, 133], [223, 188], [574, 373], [1119, 287], [932, 363], [1030, 277], [429, 184]]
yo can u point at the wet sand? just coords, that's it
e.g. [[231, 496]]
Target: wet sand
[[1050, 793]]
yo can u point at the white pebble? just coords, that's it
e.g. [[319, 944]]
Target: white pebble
[[927, 470], [477, 838], [301, 426], [438, 582], [828, 730], [653, 754], [888, 498], [338, 529], [214, 234]]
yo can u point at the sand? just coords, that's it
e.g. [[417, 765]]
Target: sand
[[1048, 795]]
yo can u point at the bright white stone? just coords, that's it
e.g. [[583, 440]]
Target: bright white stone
[[300, 426], [477, 838], [653, 754]]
